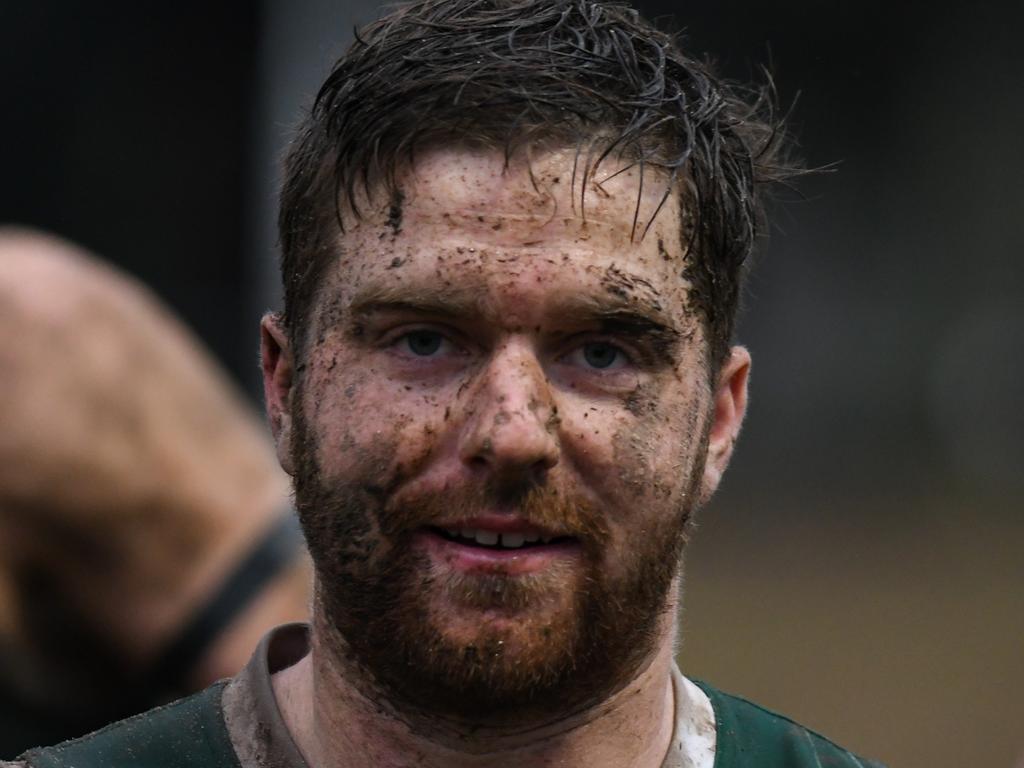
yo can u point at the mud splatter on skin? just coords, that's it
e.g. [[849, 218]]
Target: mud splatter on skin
[[554, 420], [395, 212], [699, 279], [627, 286], [661, 249], [641, 402], [632, 288], [326, 316]]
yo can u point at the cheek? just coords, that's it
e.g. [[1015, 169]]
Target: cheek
[[637, 455], [608, 453], [369, 429], [668, 439]]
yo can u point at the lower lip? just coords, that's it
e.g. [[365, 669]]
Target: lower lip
[[511, 562]]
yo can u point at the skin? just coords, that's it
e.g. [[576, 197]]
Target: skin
[[495, 336], [129, 466]]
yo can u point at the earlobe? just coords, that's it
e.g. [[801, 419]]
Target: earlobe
[[730, 406], [278, 369]]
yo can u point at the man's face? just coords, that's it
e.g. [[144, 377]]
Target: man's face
[[498, 434]]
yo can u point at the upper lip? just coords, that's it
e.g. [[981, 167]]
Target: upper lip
[[500, 524]]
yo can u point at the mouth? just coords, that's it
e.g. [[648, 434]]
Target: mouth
[[497, 544], [498, 540]]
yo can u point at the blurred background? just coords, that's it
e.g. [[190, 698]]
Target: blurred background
[[862, 569]]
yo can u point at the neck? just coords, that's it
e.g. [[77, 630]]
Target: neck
[[331, 719]]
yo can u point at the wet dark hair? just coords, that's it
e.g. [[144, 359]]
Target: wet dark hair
[[516, 73]]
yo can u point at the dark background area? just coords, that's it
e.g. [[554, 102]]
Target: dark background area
[[863, 568], [126, 129]]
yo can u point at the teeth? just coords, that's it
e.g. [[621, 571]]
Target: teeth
[[512, 539], [487, 538], [491, 538]]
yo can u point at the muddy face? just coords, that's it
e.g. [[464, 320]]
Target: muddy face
[[496, 369]]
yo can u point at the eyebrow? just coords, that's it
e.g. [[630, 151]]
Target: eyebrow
[[634, 314], [434, 300]]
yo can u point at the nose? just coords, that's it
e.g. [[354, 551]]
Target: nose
[[512, 427]]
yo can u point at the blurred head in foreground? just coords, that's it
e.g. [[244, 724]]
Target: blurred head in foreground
[[133, 480]]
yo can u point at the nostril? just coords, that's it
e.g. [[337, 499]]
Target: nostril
[[478, 463], [540, 472], [548, 460]]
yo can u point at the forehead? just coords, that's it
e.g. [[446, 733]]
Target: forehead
[[547, 195], [466, 217]]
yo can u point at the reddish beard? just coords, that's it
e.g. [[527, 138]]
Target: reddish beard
[[376, 594]]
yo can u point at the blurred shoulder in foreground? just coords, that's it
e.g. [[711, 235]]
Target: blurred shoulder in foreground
[[145, 542]]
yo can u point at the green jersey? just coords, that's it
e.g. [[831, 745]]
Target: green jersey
[[236, 724]]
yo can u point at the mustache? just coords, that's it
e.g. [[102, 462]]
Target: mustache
[[549, 508]]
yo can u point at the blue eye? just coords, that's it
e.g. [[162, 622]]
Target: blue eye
[[598, 354], [423, 343]]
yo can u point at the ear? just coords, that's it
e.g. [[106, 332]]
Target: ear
[[730, 406], [278, 368]]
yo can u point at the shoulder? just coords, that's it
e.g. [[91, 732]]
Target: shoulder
[[750, 735], [189, 733]]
